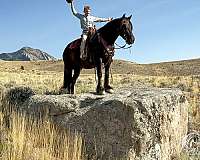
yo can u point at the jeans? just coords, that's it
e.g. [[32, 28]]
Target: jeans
[[82, 47]]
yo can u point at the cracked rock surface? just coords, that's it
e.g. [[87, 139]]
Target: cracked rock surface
[[136, 123]]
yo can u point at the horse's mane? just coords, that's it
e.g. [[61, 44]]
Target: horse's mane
[[110, 26]]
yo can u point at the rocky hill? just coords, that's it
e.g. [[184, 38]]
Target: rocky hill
[[26, 54]]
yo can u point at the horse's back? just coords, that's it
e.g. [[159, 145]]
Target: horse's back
[[71, 56], [71, 53], [74, 45]]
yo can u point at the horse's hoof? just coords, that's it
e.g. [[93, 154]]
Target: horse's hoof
[[64, 91], [101, 92], [111, 91]]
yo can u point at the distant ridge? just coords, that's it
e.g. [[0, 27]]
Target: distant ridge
[[178, 61], [26, 54]]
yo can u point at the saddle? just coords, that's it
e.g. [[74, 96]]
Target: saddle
[[76, 44]]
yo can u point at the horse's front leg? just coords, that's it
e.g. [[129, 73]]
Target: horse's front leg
[[107, 87], [100, 89]]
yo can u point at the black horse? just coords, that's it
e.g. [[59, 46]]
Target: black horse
[[101, 51]]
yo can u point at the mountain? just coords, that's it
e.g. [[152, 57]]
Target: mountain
[[26, 54]]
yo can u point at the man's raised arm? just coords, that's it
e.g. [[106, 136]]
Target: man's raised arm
[[73, 9]]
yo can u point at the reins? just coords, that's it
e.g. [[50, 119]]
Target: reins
[[109, 52], [122, 47]]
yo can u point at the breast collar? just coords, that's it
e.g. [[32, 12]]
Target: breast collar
[[108, 48]]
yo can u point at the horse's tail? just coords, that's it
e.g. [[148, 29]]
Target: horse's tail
[[65, 53], [71, 56]]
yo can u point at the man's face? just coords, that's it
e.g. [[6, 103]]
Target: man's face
[[87, 11]]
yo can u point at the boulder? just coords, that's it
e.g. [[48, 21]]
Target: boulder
[[133, 123]]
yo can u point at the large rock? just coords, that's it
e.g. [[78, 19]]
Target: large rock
[[132, 123]]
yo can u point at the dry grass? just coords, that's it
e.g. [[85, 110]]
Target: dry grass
[[50, 83], [26, 138], [23, 137], [41, 82]]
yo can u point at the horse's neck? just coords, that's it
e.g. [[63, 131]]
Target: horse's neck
[[109, 33]]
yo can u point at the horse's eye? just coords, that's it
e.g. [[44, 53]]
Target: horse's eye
[[123, 22]]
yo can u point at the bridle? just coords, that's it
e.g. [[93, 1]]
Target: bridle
[[122, 47], [110, 49]]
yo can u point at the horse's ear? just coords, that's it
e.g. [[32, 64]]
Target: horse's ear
[[129, 17], [124, 15]]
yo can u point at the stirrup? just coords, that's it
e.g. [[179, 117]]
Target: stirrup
[[83, 57]]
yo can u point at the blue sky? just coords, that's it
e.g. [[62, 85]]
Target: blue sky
[[165, 30]]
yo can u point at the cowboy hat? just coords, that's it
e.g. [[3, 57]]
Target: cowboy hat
[[69, 1]]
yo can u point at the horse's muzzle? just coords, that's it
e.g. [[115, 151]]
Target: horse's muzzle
[[131, 40]]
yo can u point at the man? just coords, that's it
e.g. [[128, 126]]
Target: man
[[87, 23]]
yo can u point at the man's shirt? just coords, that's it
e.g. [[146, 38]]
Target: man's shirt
[[86, 21]]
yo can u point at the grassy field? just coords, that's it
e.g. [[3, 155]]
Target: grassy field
[[51, 82], [43, 138], [27, 139]]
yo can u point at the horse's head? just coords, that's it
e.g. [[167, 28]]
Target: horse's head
[[126, 29]]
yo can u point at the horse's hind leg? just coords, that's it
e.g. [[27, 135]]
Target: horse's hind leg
[[74, 78], [67, 79]]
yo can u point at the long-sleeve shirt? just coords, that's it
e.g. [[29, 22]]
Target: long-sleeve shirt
[[86, 21]]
